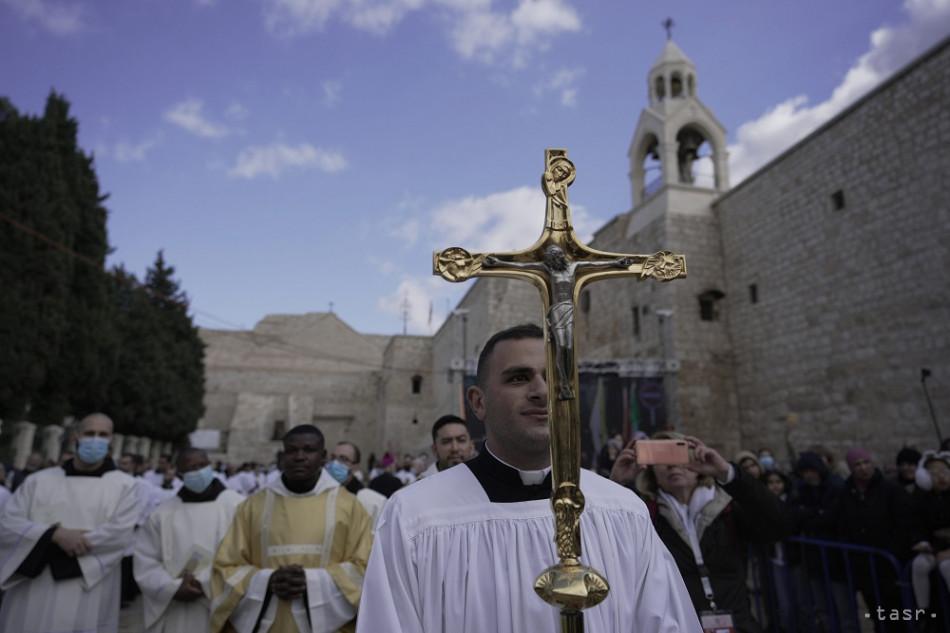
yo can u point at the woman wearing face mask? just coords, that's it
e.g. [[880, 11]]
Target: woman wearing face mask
[[707, 512]]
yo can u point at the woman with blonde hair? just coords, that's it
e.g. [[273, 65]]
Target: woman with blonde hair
[[706, 512]]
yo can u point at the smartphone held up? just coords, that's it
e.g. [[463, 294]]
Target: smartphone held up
[[668, 452]]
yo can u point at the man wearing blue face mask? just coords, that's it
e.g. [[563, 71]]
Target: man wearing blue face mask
[[175, 548], [344, 460], [62, 537]]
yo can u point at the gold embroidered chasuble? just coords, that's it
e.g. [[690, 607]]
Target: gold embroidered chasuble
[[326, 531]]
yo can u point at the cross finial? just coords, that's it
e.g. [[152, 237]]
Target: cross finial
[[668, 25]]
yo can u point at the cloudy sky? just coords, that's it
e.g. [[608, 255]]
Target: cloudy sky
[[287, 154]]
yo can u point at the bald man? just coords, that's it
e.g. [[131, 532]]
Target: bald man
[[62, 538]]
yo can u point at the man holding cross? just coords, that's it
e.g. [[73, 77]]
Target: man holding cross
[[458, 551]]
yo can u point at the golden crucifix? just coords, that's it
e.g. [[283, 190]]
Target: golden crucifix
[[560, 266]]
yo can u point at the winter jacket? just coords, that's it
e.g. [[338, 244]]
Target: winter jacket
[[741, 512], [880, 516]]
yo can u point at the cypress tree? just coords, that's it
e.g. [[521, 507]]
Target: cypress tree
[[179, 397], [35, 271]]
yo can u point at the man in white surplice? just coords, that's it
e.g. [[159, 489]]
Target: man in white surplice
[[459, 551], [175, 548], [62, 535]]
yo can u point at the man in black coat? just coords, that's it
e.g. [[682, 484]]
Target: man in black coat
[[875, 512]]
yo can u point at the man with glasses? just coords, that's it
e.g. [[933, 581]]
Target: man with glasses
[[343, 464]]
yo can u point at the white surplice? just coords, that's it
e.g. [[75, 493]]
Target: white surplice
[[177, 537], [448, 560], [107, 506]]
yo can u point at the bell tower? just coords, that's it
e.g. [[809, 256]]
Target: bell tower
[[677, 142], [678, 169]]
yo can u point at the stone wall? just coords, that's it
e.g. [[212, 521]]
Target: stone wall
[[289, 370], [701, 391], [852, 302], [405, 415]]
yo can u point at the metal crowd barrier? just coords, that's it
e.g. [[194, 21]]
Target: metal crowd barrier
[[817, 593]]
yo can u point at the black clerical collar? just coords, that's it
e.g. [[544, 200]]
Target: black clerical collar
[[106, 465], [502, 483], [208, 494], [299, 487], [353, 485]]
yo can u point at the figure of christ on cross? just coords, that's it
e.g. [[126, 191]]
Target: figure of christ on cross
[[561, 276]]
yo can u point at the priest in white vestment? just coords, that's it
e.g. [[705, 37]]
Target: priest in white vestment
[[62, 536], [459, 551], [294, 557], [175, 548]]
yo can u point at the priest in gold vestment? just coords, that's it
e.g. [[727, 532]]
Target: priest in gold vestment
[[294, 557]]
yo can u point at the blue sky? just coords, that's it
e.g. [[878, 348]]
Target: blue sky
[[291, 153]]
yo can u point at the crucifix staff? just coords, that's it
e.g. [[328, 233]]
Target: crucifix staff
[[560, 265]]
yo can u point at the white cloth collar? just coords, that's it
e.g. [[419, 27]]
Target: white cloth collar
[[528, 477], [324, 483]]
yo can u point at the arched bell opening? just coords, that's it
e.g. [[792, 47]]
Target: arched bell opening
[[695, 158], [676, 85], [647, 167], [659, 87]]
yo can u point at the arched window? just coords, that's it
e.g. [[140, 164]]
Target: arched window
[[691, 85], [709, 305], [694, 158], [660, 88], [676, 85], [417, 384], [652, 167]]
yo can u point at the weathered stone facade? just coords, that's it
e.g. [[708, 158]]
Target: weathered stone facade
[[852, 301]]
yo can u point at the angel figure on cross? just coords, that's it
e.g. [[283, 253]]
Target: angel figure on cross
[[561, 275]]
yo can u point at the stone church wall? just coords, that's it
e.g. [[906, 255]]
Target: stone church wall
[[852, 302], [289, 370], [404, 398]]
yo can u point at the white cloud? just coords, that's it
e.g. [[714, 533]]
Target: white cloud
[[381, 15], [188, 116], [785, 124], [417, 298], [562, 83], [474, 30], [295, 17], [505, 221], [488, 36], [125, 151], [59, 18], [332, 93], [274, 159], [408, 231], [384, 266], [236, 112]]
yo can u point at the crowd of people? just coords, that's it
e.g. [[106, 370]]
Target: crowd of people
[[316, 543], [891, 513]]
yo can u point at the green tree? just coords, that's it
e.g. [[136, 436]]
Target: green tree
[[35, 269], [179, 402], [83, 366]]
